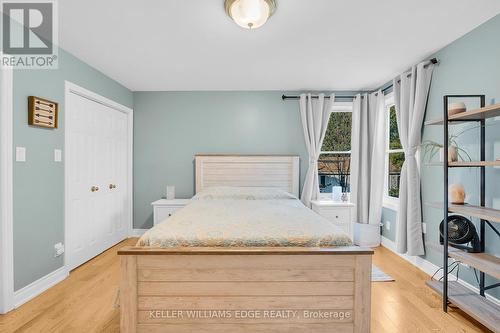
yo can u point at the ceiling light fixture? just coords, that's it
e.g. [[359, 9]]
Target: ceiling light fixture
[[250, 14]]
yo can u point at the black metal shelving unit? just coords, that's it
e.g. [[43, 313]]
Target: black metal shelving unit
[[475, 305], [446, 204]]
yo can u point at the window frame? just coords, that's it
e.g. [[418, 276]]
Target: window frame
[[389, 201], [336, 108]]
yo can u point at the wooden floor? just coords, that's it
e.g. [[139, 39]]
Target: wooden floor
[[84, 301]]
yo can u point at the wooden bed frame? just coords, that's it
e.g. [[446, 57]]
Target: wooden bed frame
[[228, 290]]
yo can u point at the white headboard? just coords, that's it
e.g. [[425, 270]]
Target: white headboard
[[276, 171]]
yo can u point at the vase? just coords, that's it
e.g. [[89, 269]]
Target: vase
[[170, 193], [344, 197], [452, 154], [337, 193]]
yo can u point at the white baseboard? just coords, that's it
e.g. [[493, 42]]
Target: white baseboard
[[138, 232], [39, 286], [429, 268]]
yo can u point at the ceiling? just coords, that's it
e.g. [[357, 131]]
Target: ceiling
[[172, 45]]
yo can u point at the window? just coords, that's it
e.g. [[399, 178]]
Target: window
[[394, 153], [334, 163]]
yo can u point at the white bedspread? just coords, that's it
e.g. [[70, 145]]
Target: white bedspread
[[244, 221]]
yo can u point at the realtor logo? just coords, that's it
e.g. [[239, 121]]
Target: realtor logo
[[29, 34]]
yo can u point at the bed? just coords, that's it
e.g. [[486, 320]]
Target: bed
[[245, 256]]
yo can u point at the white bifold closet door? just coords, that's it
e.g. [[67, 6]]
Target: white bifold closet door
[[96, 167]]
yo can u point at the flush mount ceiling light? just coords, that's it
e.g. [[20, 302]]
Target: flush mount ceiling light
[[250, 14]]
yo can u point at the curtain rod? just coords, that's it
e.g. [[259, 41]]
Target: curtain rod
[[286, 97], [432, 61]]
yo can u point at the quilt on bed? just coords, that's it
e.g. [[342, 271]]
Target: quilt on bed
[[244, 218]]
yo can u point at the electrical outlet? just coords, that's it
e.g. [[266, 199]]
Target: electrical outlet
[[424, 228], [20, 154], [59, 247], [57, 155], [387, 225]]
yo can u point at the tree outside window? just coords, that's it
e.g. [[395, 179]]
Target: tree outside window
[[334, 163], [395, 155]]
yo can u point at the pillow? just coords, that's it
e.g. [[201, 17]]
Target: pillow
[[242, 193]]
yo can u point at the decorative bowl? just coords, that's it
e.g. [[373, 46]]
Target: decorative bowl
[[455, 108]]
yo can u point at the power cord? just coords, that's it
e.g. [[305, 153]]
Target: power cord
[[451, 267], [477, 279]]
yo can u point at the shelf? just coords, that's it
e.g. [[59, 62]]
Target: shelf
[[463, 164], [484, 262], [490, 214], [490, 111], [476, 306]]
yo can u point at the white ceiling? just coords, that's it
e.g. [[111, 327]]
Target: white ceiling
[[308, 44]]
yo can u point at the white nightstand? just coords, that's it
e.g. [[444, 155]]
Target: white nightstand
[[339, 213], [163, 208]]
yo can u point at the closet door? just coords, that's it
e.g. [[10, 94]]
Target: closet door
[[82, 189], [120, 179], [114, 173], [104, 171], [97, 157]]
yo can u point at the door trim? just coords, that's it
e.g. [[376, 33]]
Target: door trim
[[6, 191], [71, 88]]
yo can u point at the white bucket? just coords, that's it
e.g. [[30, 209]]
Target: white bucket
[[367, 234]]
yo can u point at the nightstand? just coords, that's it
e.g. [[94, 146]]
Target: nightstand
[[163, 208], [338, 213]]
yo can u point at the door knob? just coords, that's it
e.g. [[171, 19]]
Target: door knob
[[112, 186], [94, 189]]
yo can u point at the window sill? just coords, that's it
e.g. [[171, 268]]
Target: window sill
[[391, 203]]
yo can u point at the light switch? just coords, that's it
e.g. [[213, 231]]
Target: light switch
[[20, 154], [57, 155]]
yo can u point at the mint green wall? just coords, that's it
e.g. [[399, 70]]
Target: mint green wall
[[470, 65], [389, 215], [171, 127], [39, 182]]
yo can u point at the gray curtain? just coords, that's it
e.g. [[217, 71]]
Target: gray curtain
[[314, 114], [367, 157], [410, 97]]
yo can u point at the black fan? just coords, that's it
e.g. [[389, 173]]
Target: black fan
[[461, 231]]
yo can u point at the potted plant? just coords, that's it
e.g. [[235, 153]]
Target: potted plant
[[455, 153]]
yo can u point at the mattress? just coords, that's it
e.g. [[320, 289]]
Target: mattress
[[244, 217]]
